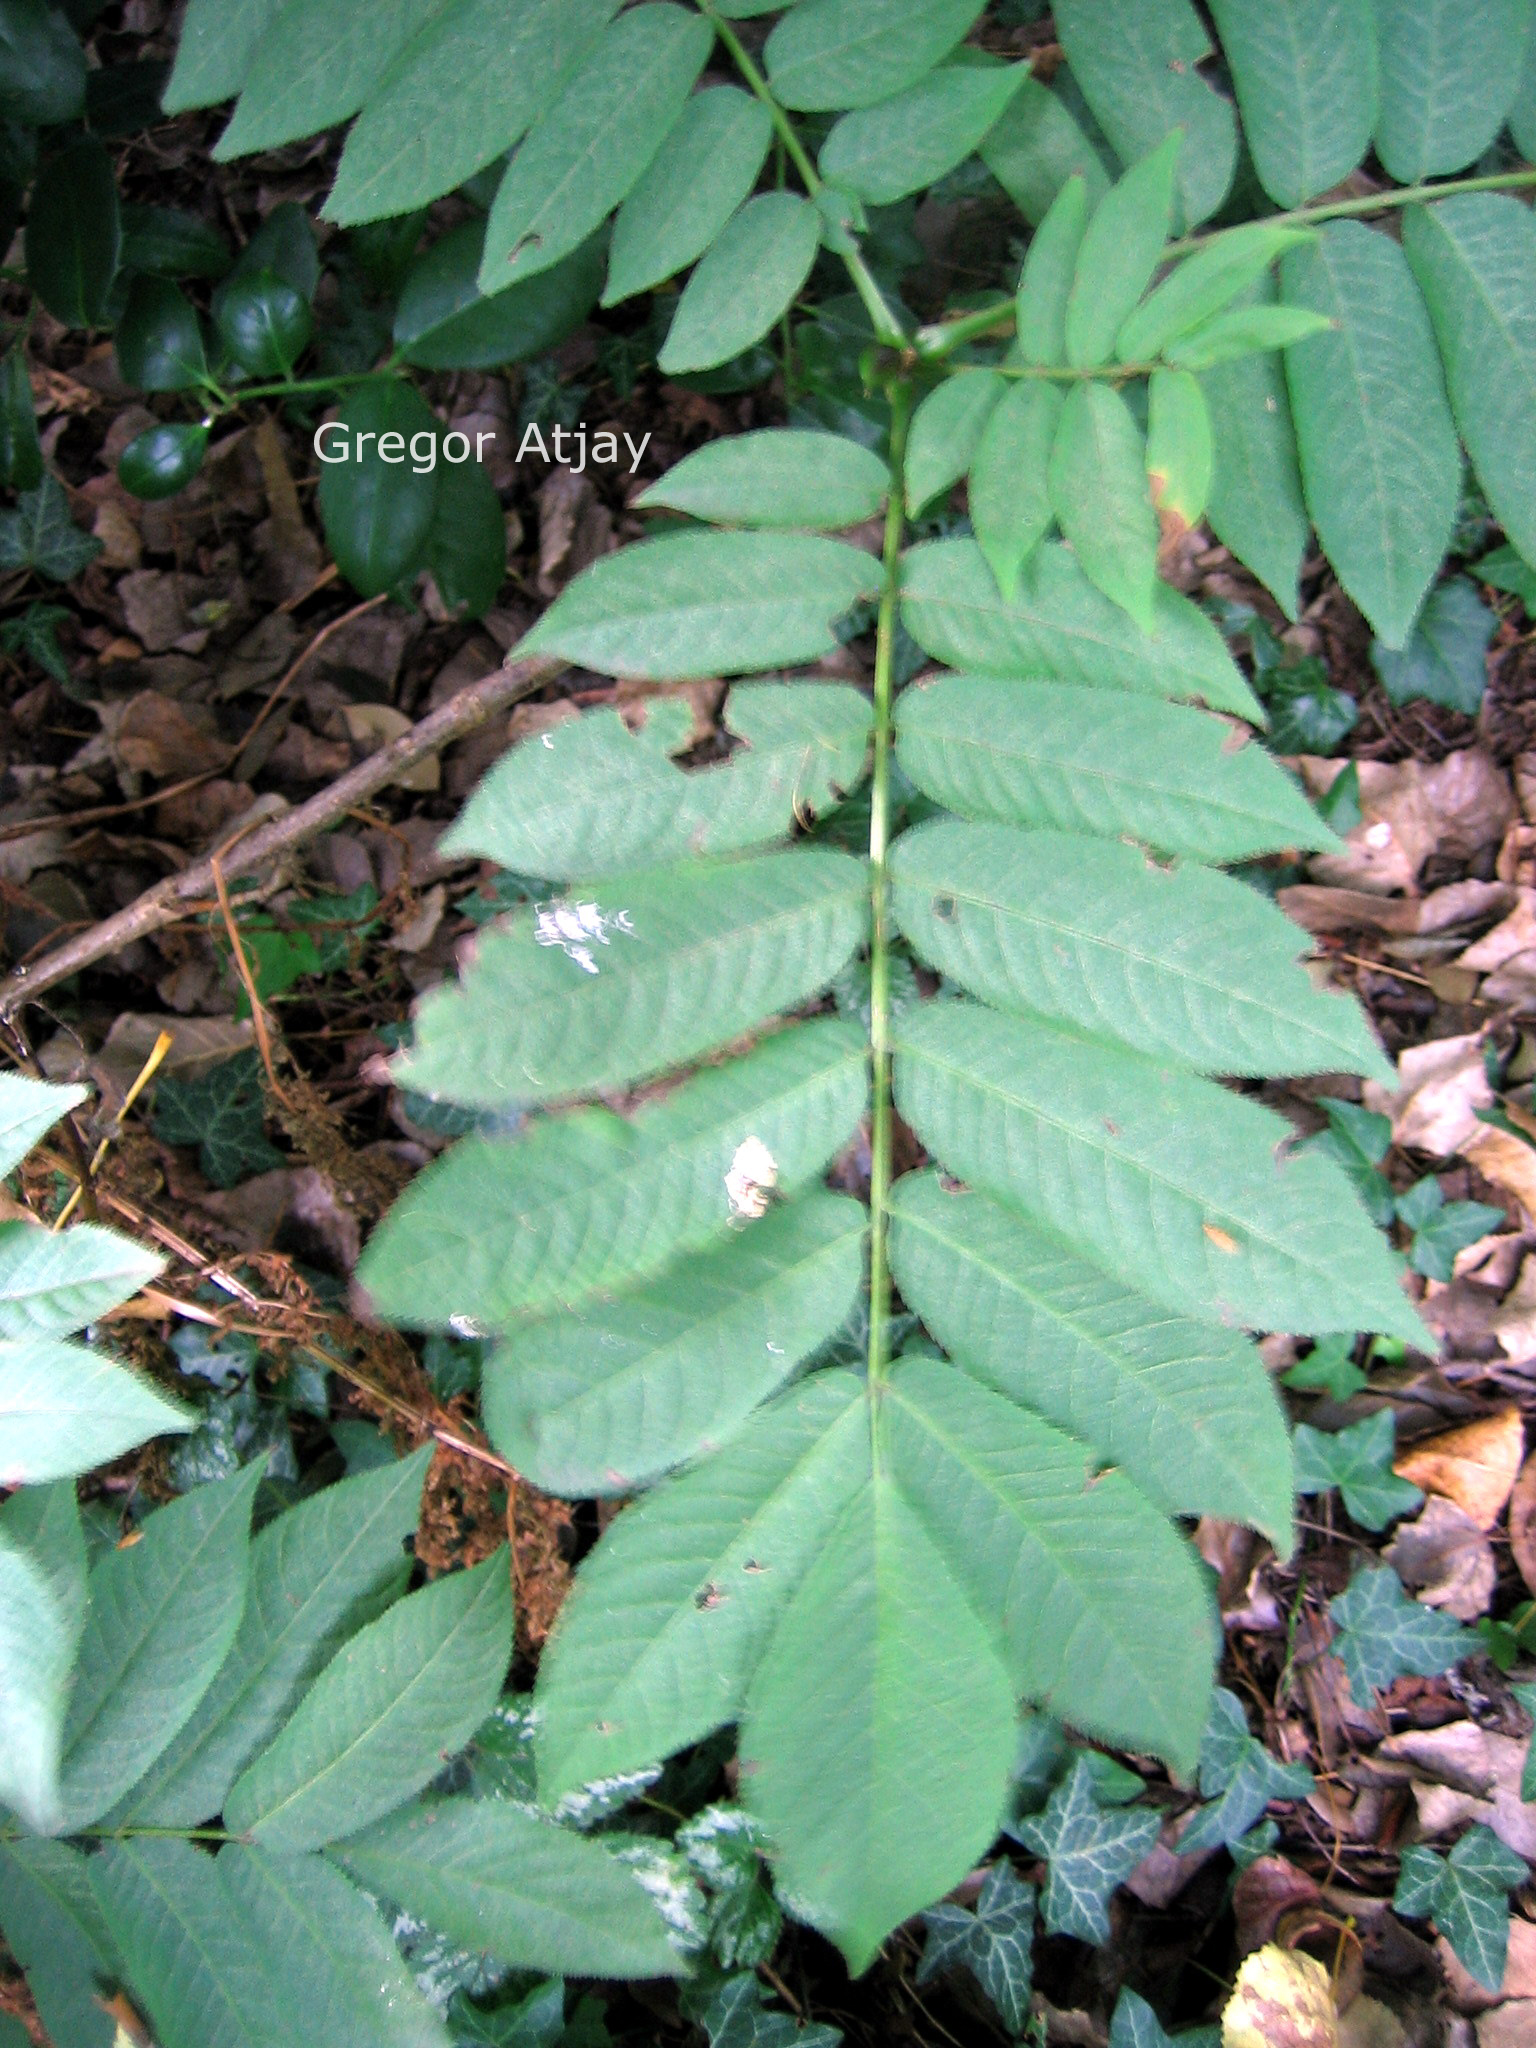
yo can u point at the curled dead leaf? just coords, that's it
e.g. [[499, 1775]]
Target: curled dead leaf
[[1280, 2000], [1445, 1559], [1522, 1522], [1474, 1465]]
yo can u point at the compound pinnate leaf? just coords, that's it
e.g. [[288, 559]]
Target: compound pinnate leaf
[[1466, 1894], [310, 67], [53, 1281], [1045, 282], [1245, 331], [1305, 72], [197, 1970], [875, 1800], [312, 1571], [496, 1231], [995, 1942], [605, 1402], [160, 1619], [747, 278], [1185, 1411], [64, 1409], [1448, 78], [593, 140], [1085, 761], [946, 432], [1475, 260], [496, 65], [1379, 458], [1165, 1178], [1256, 507], [1180, 450], [1137, 63], [1090, 1850], [1058, 624], [405, 1692], [698, 604], [55, 1930], [36, 1651], [698, 178], [1005, 1500], [1239, 1776], [1009, 493], [1180, 962], [1382, 1634], [657, 1643], [1358, 1461], [499, 1878], [1039, 145], [910, 140], [1118, 254], [850, 53], [665, 965], [1202, 286], [779, 476]]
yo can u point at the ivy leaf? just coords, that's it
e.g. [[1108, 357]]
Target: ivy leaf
[[1383, 1634], [734, 2014], [995, 1943], [1328, 1368], [1306, 714], [1359, 1139], [1448, 1229], [1136, 2025], [1526, 1695], [1467, 1896], [220, 1112], [1090, 1849], [1444, 661], [34, 633], [1358, 1461], [1240, 1777], [724, 1845], [40, 535], [1507, 571]]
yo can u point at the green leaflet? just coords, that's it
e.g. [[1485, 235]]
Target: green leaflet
[[1136, 62], [159, 1622], [28, 1109], [604, 1401], [1378, 449], [591, 798], [246, 1950], [1087, 761], [698, 604], [1099, 492], [403, 1694], [1008, 493], [1202, 286], [495, 1230], [658, 1639], [1186, 1412], [54, 1929], [907, 142], [1045, 281], [53, 1281], [64, 1409], [1449, 74], [1103, 1611], [946, 432], [494, 65], [1522, 115], [498, 1878], [1305, 72], [779, 476], [313, 66], [1256, 507], [1038, 147], [45, 1522], [703, 171], [1118, 254], [746, 279], [1179, 448], [36, 1652], [1181, 962], [311, 1570], [883, 1782], [1475, 260], [213, 57], [690, 956], [850, 53], [1167, 1179], [589, 147], [1057, 624]]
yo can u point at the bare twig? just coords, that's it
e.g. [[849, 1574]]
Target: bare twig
[[167, 900]]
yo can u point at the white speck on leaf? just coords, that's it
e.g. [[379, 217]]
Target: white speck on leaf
[[754, 1174]]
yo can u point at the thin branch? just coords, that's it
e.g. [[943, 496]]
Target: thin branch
[[168, 900]]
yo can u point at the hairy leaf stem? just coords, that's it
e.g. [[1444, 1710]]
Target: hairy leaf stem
[[887, 324], [880, 1128], [933, 343]]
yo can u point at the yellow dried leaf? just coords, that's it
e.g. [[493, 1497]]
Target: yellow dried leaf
[[1475, 1465], [1282, 1999]]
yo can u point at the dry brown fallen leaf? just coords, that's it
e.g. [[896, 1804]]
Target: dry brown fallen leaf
[[1369, 2024], [1281, 2000], [1514, 1321], [1509, 1162], [1442, 1809], [1519, 1971], [1446, 1559], [1512, 2026], [1441, 1087], [1474, 1465], [1522, 1523]]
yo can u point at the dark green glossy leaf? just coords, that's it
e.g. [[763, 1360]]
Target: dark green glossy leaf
[[42, 66], [377, 514], [21, 452], [264, 323], [74, 233], [162, 460], [444, 323], [159, 339], [467, 540]]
